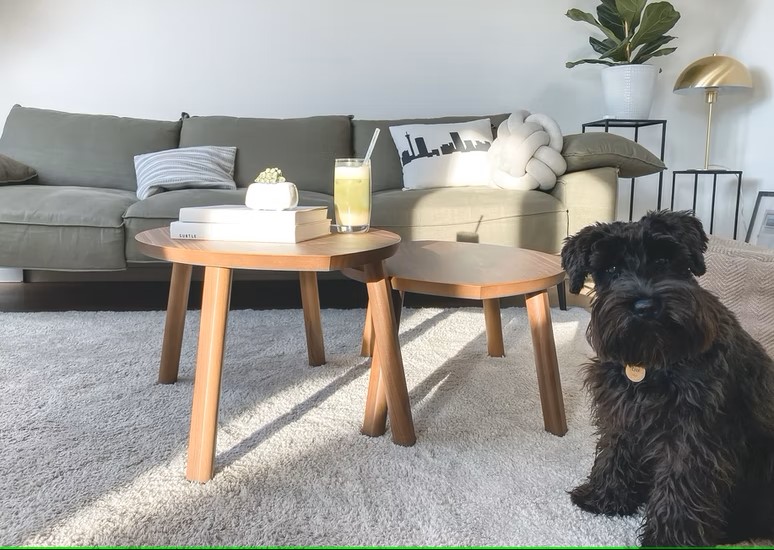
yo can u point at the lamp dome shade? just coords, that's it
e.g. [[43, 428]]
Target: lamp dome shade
[[714, 71]]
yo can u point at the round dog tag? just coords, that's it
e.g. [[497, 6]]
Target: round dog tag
[[635, 373]]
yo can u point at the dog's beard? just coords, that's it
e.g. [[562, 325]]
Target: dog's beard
[[681, 328]]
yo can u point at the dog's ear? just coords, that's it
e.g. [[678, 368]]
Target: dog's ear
[[686, 229], [576, 254]]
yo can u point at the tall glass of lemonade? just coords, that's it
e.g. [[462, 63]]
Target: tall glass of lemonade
[[352, 195]]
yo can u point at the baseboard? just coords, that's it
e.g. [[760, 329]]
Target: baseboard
[[11, 275]]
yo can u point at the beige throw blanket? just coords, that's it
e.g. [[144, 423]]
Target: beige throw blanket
[[742, 276]]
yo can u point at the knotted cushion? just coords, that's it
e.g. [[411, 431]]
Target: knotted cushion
[[527, 153]]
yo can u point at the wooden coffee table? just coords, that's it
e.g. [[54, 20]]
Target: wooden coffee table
[[331, 253], [480, 272]]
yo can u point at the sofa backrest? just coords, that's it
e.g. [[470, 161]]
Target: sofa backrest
[[386, 168], [83, 149], [305, 149]]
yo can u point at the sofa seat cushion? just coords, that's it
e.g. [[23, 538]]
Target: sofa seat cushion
[[83, 149], [305, 149], [160, 210], [531, 219], [63, 228]]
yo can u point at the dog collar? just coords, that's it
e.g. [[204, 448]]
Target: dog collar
[[635, 373]]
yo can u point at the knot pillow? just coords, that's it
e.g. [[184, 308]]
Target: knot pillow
[[527, 153]]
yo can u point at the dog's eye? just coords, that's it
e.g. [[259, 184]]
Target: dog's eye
[[612, 270], [662, 261]]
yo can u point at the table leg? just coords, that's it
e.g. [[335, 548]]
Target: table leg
[[388, 357], [367, 344], [549, 383], [494, 328], [375, 417], [561, 292], [177, 304], [375, 421], [310, 300], [209, 364]]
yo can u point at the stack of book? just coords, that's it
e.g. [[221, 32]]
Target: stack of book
[[240, 223]]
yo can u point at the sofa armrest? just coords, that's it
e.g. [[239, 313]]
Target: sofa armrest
[[589, 195]]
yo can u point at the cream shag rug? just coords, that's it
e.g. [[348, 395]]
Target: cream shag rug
[[93, 450]]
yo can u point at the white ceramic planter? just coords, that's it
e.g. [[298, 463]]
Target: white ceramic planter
[[272, 196], [629, 90]]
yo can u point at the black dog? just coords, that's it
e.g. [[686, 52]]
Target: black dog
[[683, 397]]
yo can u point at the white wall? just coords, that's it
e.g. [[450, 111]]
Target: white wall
[[369, 58]]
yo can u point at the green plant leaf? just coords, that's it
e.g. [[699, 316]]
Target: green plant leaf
[[657, 19], [609, 3], [630, 11], [648, 49], [619, 53], [578, 15], [571, 64], [634, 30], [601, 46], [608, 17], [659, 53]]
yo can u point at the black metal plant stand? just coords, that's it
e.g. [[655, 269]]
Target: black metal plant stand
[[635, 123], [714, 174]]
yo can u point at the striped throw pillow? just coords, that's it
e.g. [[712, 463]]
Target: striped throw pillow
[[206, 167]]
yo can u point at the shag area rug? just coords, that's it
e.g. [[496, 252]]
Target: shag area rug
[[93, 450]]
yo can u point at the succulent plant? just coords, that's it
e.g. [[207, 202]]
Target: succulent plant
[[270, 175]]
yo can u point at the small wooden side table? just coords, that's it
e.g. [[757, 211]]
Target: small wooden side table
[[480, 272], [331, 253]]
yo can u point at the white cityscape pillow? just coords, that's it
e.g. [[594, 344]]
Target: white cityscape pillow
[[444, 155]]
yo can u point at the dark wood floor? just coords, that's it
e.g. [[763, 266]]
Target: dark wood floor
[[149, 296]]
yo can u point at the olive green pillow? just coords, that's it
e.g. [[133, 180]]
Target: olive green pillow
[[12, 171], [598, 149]]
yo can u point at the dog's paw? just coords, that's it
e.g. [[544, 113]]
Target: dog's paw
[[588, 498], [585, 498]]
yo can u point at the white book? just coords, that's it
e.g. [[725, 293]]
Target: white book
[[249, 232], [239, 213]]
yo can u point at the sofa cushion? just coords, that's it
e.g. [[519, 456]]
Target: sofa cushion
[[444, 155], [530, 219], [386, 169], [599, 149], [160, 210], [66, 228], [81, 149], [13, 171], [205, 167], [303, 148]]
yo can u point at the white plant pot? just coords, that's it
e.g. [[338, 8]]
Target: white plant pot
[[629, 90], [272, 196]]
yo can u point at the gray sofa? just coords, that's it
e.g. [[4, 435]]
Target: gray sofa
[[78, 219]]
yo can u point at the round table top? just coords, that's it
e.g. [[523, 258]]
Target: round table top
[[330, 253], [470, 270]]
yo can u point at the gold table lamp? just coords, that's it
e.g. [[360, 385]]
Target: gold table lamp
[[711, 75]]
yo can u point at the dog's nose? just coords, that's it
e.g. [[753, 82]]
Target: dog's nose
[[645, 307]]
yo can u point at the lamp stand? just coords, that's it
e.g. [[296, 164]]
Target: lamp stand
[[712, 95]]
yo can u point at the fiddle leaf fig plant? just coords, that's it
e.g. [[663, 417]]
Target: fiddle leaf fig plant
[[634, 31]]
